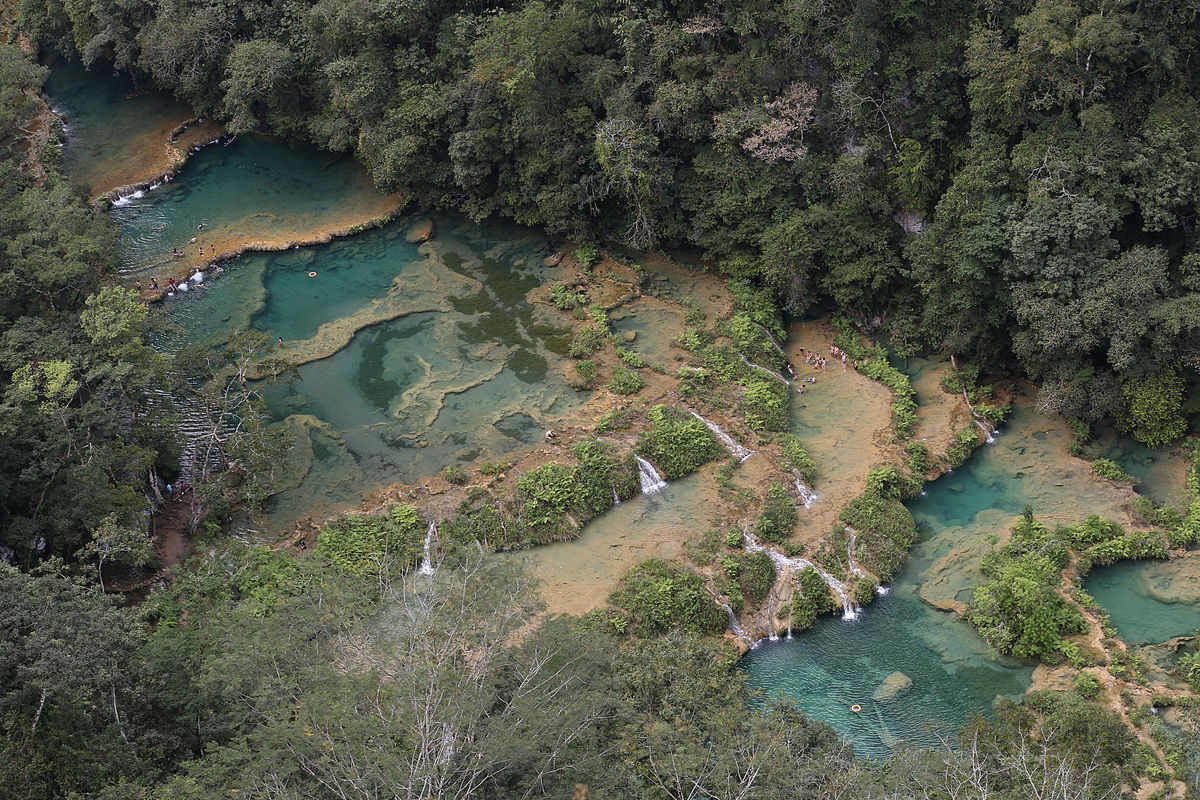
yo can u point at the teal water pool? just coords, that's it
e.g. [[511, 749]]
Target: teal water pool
[[1149, 602], [411, 357], [837, 663], [237, 193]]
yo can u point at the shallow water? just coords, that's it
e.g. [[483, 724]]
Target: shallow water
[[577, 576], [110, 135], [411, 357], [253, 189], [837, 664], [1149, 601]]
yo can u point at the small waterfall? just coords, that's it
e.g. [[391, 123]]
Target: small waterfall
[[771, 338], [989, 430], [851, 538], [773, 636], [787, 565], [651, 481], [617, 497], [734, 625], [807, 495], [735, 449], [761, 368], [426, 567]]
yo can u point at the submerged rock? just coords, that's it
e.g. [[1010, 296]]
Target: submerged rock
[[553, 260], [421, 231], [892, 687], [629, 336]]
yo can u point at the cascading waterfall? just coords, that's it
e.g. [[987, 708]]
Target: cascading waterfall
[[851, 538], [989, 430], [426, 567], [761, 368], [651, 481], [617, 497], [734, 625], [786, 566], [771, 339], [807, 495], [736, 449]]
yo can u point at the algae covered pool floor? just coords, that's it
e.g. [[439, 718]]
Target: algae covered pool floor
[[411, 357], [1149, 601]]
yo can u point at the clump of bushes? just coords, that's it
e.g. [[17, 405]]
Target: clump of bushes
[[585, 371], [779, 515], [677, 443], [631, 358], [370, 546], [961, 447], [1110, 470], [625, 381], [918, 458], [554, 500], [797, 458], [587, 254], [588, 340], [616, 420], [564, 297], [886, 529], [810, 597], [747, 578], [1018, 609], [765, 404], [660, 596], [455, 474]]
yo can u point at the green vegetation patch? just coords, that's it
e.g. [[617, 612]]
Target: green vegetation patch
[[677, 443], [660, 596], [369, 546]]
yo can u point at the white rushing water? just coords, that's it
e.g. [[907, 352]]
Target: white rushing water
[[786, 565], [651, 481], [807, 495], [761, 368], [734, 625], [851, 539], [735, 448], [616, 497], [426, 567], [989, 431]]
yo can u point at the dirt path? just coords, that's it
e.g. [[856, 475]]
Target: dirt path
[[170, 526], [1111, 686]]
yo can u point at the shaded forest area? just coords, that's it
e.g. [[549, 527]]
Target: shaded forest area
[[1015, 183]]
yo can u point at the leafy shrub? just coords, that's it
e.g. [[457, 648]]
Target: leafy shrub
[[797, 458], [1018, 609], [455, 474], [659, 596], [961, 447], [810, 598], [779, 515], [753, 574], [368, 546], [494, 468], [555, 500], [586, 372], [1111, 470], [677, 443], [865, 591], [616, 420], [587, 254], [885, 527], [1154, 413], [564, 297], [904, 404], [758, 304], [631, 358], [735, 538], [1086, 685], [625, 381], [588, 340], [918, 457], [765, 405]]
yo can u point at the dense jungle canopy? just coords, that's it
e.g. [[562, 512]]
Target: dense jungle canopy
[[1012, 182]]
